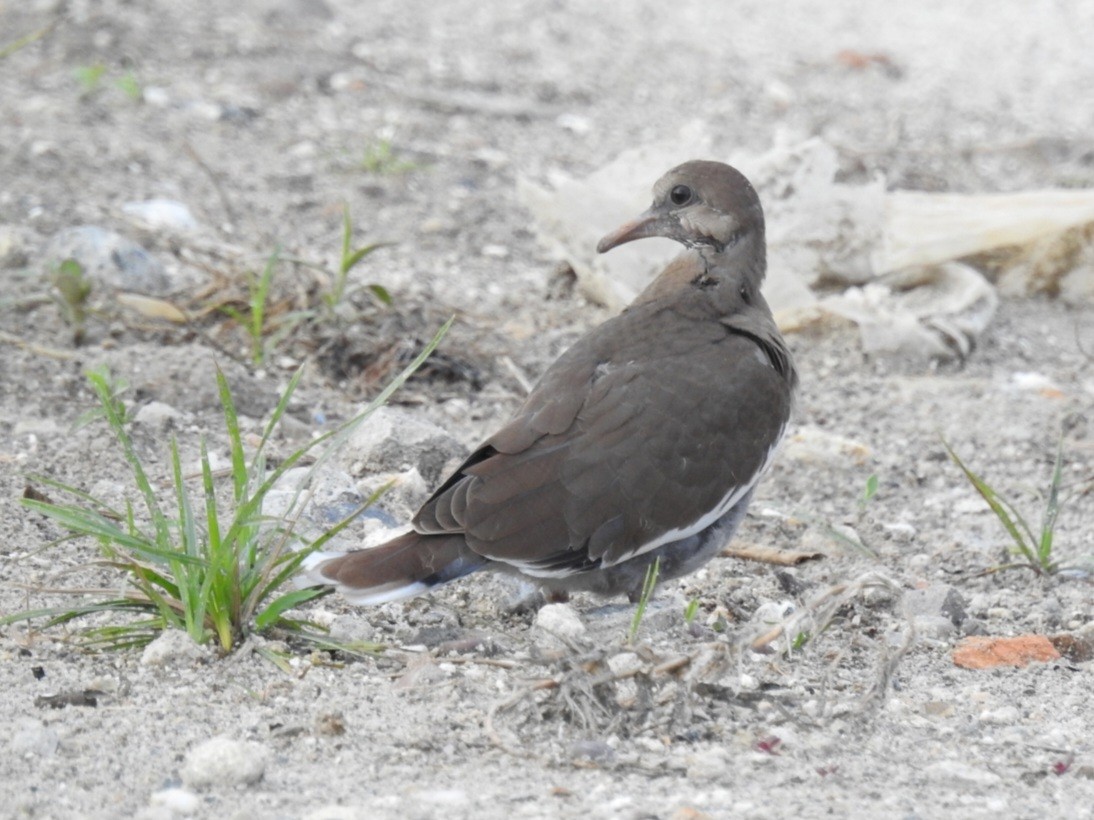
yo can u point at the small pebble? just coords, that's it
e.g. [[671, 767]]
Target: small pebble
[[108, 260], [177, 801], [222, 761], [157, 415], [173, 648], [1003, 716], [597, 751], [772, 612], [32, 737], [162, 214], [559, 620]]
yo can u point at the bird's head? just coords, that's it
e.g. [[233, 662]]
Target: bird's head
[[699, 204]]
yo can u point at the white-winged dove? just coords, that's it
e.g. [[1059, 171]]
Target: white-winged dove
[[644, 440]]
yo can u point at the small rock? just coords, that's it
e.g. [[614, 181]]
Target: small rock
[[974, 626], [772, 612], [177, 801], [353, 629], [222, 761], [437, 225], [162, 214], [812, 445], [16, 244], [574, 123], [396, 440], [970, 505], [402, 494], [157, 415], [331, 495], [1077, 646], [625, 663], [901, 531], [560, 621], [1003, 716], [40, 427], [331, 724], [954, 771], [979, 652], [936, 601], [938, 708], [597, 751], [32, 737], [108, 259], [172, 648]]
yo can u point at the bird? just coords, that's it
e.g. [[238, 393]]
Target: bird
[[643, 442]]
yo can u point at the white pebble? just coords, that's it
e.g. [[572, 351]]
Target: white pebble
[[177, 801], [559, 620], [1003, 716], [172, 648], [222, 761]]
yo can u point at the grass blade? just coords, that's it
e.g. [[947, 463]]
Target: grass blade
[[996, 505], [643, 601]]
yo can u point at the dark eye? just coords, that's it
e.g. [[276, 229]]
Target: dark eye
[[680, 195], [746, 297]]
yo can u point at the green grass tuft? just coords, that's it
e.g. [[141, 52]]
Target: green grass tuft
[[350, 258], [1035, 548], [217, 569], [644, 599]]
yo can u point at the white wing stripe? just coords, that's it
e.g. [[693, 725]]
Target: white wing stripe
[[734, 495]]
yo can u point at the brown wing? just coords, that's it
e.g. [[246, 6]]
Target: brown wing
[[607, 456]]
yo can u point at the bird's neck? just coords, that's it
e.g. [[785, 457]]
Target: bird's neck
[[711, 281]]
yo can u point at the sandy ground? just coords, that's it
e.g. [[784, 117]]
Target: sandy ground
[[264, 120]]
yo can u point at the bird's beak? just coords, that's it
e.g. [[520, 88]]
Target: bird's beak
[[647, 225]]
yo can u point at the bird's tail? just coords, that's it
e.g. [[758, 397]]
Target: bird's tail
[[405, 566]]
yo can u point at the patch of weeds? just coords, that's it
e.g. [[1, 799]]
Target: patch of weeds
[[71, 291], [350, 258], [129, 85], [264, 330], [380, 158], [92, 78], [218, 570], [109, 389], [268, 324], [26, 40], [847, 536], [691, 611], [868, 492], [648, 585], [1035, 548]]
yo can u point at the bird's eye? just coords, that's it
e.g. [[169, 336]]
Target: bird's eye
[[680, 195]]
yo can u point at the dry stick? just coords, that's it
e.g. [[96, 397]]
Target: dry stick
[[768, 555], [492, 733], [825, 605], [875, 695], [40, 350], [522, 379], [501, 663], [27, 39], [1079, 342], [225, 202]]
